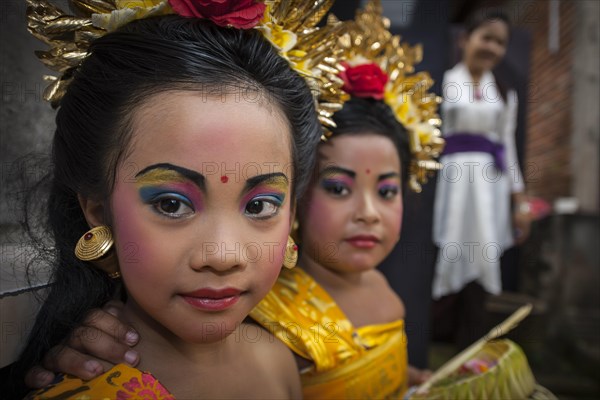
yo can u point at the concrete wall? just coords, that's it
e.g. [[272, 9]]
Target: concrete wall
[[26, 128]]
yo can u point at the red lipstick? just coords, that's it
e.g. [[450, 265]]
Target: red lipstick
[[209, 299], [363, 241]]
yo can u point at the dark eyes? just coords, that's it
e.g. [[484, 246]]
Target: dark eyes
[[491, 38], [264, 206], [173, 206], [388, 192], [337, 189], [176, 206]]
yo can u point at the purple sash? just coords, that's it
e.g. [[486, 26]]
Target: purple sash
[[464, 142]]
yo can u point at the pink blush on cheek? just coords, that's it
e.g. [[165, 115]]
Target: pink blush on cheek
[[128, 229], [397, 221], [279, 255], [318, 216]]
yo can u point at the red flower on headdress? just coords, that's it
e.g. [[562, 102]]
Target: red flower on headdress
[[365, 80], [241, 14]]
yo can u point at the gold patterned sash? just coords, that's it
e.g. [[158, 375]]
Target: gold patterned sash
[[348, 362]]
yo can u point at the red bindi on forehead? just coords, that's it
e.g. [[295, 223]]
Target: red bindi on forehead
[[224, 179], [368, 171]]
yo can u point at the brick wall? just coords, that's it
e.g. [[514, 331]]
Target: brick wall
[[548, 148]]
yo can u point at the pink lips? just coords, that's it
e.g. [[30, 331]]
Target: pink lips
[[208, 299], [363, 241]]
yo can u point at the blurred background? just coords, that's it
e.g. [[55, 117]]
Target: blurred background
[[553, 63]]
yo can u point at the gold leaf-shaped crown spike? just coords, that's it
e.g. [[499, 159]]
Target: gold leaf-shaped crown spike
[[290, 25], [315, 55], [367, 39]]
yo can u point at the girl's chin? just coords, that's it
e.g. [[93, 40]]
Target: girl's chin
[[209, 332], [362, 263]]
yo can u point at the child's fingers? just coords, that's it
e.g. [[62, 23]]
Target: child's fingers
[[105, 321], [97, 343], [70, 361], [38, 377], [114, 307]]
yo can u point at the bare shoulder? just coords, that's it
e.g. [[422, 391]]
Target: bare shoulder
[[375, 277], [279, 354], [379, 284], [377, 281], [274, 358]]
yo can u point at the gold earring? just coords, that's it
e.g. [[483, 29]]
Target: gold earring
[[291, 254], [94, 247], [294, 233]]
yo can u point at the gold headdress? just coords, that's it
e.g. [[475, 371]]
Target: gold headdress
[[289, 25], [367, 40]]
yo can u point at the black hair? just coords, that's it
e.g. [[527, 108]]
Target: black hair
[[480, 18], [483, 17], [367, 115], [93, 132]]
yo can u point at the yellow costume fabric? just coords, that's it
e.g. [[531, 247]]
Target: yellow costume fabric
[[122, 382], [348, 362]]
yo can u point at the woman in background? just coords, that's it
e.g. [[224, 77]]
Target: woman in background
[[480, 209]]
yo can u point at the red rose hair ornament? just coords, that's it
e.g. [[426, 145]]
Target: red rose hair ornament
[[365, 80]]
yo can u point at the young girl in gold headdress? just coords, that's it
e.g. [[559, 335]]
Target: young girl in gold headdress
[[151, 124], [335, 311]]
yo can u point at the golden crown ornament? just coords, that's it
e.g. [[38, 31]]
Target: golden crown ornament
[[368, 40], [290, 26]]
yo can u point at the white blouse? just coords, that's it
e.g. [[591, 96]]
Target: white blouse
[[490, 116], [472, 210]]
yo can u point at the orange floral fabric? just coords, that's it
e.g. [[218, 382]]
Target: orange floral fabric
[[122, 382]]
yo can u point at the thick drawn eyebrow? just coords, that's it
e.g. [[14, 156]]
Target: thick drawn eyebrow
[[337, 170], [352, 174], [274, 177], [189, 174], [388, 175]]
